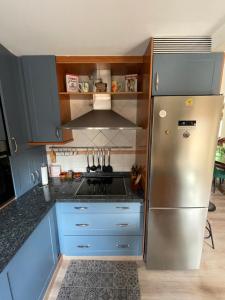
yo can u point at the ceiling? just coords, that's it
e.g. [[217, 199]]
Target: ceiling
[[101, 27]]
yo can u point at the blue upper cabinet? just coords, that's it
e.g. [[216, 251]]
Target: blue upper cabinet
[[187, 74], [40, 81], [26, 167], [12, 98], [2, 129]]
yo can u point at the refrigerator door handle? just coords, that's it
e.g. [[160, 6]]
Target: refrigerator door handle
[[156, 81]]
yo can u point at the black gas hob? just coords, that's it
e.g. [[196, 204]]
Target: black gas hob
[[99, 186]]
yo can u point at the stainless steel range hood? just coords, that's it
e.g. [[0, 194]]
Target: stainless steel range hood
[[101, 117]]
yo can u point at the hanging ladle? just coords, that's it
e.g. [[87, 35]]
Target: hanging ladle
[[88, 165], [93, 167], [98, 168]]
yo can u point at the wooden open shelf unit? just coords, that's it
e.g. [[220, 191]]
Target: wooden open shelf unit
[[87, 65], [119, 65]]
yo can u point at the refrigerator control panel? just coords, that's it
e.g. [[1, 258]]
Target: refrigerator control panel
[[187, 123]]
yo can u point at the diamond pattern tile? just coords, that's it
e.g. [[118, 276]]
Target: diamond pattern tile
[[120, 139], [100, 138], [109, 133]]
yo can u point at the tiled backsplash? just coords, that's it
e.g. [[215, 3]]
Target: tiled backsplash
[[101, 138]]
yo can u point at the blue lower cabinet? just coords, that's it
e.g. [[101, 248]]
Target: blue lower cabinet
[[100, 228], [111, 207], [5, 293], [30, 270], [102, 224], [54, 234], [101, 245]]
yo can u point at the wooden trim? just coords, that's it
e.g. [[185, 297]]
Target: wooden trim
[[99, 59], [148, 161], [122, 258], [49, 143], [94, 93], [7, 203], [112, 151], [53, 278], [222, 72], [89, 96], [144, 116]]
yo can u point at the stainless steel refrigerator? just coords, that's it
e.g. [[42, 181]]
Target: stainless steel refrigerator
[[183, 142]]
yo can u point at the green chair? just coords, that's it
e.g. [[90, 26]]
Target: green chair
[[218, 173]]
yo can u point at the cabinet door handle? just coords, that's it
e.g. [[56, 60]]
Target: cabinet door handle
[[57, 133], [123, 245], [157, 81], [15, 144], [123, 207], [37, 174], [33, 178], [122, 225], [82, 225], [80, 207], [83, 246]]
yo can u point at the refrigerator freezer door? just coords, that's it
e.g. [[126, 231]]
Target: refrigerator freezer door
[[175, 238], [183, 148]]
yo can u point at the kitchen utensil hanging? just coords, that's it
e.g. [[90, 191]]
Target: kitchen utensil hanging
[[88, 164], [98, 168], [93, 167]]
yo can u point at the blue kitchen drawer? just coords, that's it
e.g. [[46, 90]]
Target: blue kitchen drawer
[[112, 207], [101, 224], [101, 245]]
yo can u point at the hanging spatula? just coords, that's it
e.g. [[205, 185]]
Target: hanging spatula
[[98, 168], [52, 155], [93, 167], [88, 165], [104, 168], [109, 168]]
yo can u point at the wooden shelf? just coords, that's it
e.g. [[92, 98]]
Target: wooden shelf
[[49, 143], [99, 59], [89, 95]]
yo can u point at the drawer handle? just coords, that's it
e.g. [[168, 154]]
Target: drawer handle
[[81, 207], [123, 245], [123, 207], [83, 246], [122, 225], [82, 225]]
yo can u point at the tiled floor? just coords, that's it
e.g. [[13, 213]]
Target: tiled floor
[[208, 283]]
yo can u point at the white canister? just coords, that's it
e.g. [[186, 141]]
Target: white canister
[[44, 175]]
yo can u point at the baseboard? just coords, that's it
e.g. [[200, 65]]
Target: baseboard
[[124, 258], [51, 282]]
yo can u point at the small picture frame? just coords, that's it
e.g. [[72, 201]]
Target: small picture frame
[[131, 83], [72, 83]]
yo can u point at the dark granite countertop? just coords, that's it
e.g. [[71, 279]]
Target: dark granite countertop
[[65, 190], [19, 219]]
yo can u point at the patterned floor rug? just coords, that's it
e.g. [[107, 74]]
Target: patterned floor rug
[[100, 280]]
